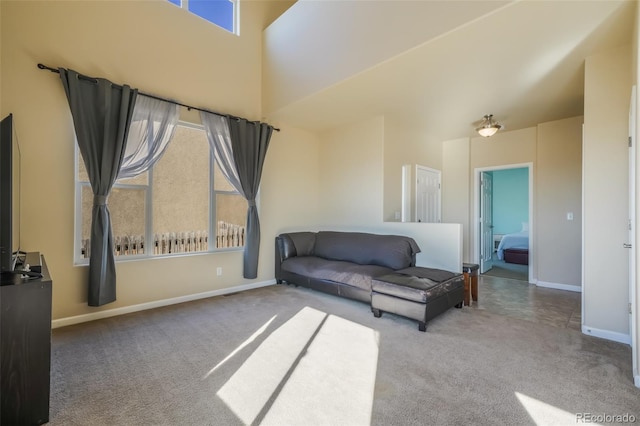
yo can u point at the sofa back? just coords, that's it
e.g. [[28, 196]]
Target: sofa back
[[297, 244], [391, 251]]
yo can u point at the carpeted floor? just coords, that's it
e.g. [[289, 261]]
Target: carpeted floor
[[285, 355]]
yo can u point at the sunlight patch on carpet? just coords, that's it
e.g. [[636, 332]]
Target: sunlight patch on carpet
[[545, 414], [242, 345], [334, 382], [314, 369], [251, 387]]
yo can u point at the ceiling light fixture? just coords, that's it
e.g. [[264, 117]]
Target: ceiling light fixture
[[488, 127]]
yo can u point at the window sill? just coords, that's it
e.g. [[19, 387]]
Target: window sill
[[136, 258]]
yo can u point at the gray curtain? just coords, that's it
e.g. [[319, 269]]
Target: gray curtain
[[152, 127], [240, 148], [102, 114]]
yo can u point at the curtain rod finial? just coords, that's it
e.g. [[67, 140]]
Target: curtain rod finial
[[44, 67]]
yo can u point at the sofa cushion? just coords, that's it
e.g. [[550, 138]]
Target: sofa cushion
[[390, 251], [417, 284], [334, 270], [303, 241]]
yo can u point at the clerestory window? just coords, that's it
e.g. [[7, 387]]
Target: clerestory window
[[223, 13]]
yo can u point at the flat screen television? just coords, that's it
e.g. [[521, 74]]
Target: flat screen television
[[9, 201]]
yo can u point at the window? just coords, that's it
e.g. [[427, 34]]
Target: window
[[223, 13], [172, 208]]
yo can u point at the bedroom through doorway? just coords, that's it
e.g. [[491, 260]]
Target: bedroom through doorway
[[503, 212]]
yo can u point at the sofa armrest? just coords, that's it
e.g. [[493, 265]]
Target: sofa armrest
[[285, 248]]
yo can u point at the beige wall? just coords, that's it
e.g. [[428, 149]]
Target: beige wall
[[164, 51], [554, 151], [404, 145], [292, 167], [455, 188], [506, 147], [395, 150], [605, 171], [289, 190], [351, 166], [558, 191]]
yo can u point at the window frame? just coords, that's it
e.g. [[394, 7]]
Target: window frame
[[148, 227]]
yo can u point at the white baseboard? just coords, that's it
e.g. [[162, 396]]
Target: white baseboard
[[557, 286], [606, 334], [62, 322]]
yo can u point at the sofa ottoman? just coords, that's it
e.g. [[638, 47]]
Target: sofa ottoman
[[417, 293]]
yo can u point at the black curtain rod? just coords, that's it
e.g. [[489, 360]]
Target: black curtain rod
[[189, 107]]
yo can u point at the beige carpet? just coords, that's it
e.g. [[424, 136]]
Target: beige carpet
[[284, 355]]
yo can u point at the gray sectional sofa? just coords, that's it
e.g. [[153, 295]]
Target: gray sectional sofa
[[347, 264], [341, 263]]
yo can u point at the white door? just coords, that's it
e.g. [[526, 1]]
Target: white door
[[632, 243], [427, 195], [486, 221]]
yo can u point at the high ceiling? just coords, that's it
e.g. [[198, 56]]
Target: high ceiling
[[522, 61]]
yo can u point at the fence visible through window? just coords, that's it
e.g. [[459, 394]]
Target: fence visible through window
[[185, 197], [228, 235]]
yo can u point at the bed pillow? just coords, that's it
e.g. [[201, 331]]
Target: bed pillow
[[525, 227]]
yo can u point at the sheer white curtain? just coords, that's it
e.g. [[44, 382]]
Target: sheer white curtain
[[152, 127], [240, 148], [217, 129]]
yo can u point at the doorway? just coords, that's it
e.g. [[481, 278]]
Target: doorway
[[428, 195], [503, 206]]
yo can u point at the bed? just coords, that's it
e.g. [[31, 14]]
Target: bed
[[517, 240]]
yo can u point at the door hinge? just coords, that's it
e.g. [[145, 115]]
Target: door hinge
[[630, 142], [630, 307]]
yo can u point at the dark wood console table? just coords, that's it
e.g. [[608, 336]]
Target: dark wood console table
[[25, 348]]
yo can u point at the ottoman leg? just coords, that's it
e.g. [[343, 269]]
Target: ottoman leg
[[376, 312], [422, 326]]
